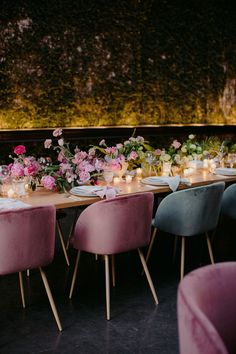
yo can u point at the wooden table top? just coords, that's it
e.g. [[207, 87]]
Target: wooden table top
[[63, 200]]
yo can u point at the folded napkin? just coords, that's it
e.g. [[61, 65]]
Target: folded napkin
[[172, 182], [10, 203], [107, 192]]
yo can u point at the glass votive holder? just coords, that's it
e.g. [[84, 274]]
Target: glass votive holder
[[19, 187], [6, 184], [139, 172], [116, 180], [128, 179], [166, 169]]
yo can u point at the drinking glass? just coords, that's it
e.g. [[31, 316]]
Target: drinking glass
[[108, 176], [150, 158]]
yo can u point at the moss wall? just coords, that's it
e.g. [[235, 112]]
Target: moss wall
[[129, 62]]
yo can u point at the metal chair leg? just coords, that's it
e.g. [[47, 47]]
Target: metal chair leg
[[50, 298], [149, 279], [107, 277]]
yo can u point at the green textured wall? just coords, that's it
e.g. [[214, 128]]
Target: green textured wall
[[87, 63]]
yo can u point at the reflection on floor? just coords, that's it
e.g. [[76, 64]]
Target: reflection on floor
[[136, 326]]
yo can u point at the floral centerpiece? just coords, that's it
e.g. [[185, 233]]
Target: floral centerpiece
[[122, 156], [72, 168], [25, 166]]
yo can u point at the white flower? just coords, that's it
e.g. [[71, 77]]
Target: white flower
[[191, 136], [166, 157], [192, 146], [199, 149], [61, 142], [183, 149]]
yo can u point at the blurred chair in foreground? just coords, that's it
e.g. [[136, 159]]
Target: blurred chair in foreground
[[114, 226], [27, 241], [207, 310]]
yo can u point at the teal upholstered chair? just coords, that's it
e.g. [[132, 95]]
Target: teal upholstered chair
[[228, 207], [187, 213]]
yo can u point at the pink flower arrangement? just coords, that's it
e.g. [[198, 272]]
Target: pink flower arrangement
[[24, 166], [71, 168]]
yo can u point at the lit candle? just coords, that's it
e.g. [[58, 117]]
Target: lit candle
[[205, 164], [128, 179], [188, 171], [116, 180], [139, 172], [10, 193]]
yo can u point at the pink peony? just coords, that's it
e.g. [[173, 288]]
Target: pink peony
[[48, 143], [133, 155], [176, 144], [57, 132], [157, 152], [84, 176], [19, 150], [48, 182], [119, 146], [17, 170], [111, 150]]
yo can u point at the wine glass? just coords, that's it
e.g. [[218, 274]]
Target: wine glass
[[108, 176], [150, 158]]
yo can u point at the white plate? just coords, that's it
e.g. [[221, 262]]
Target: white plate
[[85, 191], [225, 171], [155, 181]]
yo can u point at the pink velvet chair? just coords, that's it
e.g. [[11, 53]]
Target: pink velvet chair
[[27, 241], [207, 310], [114, 226]]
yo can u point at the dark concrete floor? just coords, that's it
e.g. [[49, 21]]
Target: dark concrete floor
[[137, 325]]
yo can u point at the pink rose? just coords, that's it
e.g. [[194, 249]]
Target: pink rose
[[30, 170], [19, 149]]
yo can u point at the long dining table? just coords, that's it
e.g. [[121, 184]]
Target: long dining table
[[67, 200]]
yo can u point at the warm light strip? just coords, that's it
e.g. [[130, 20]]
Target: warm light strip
[[123, 126]]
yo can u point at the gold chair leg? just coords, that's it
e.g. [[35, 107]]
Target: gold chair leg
[[28, 272], [209, 248], [182, 257], [74, 275], [107, 277], [50, 298], [113, 270], [151, 244], [62, 242], [149, 279], [22, 289]]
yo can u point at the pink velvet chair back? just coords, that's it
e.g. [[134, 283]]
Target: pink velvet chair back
[[27, 238], [115, 225], [207, 310]]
